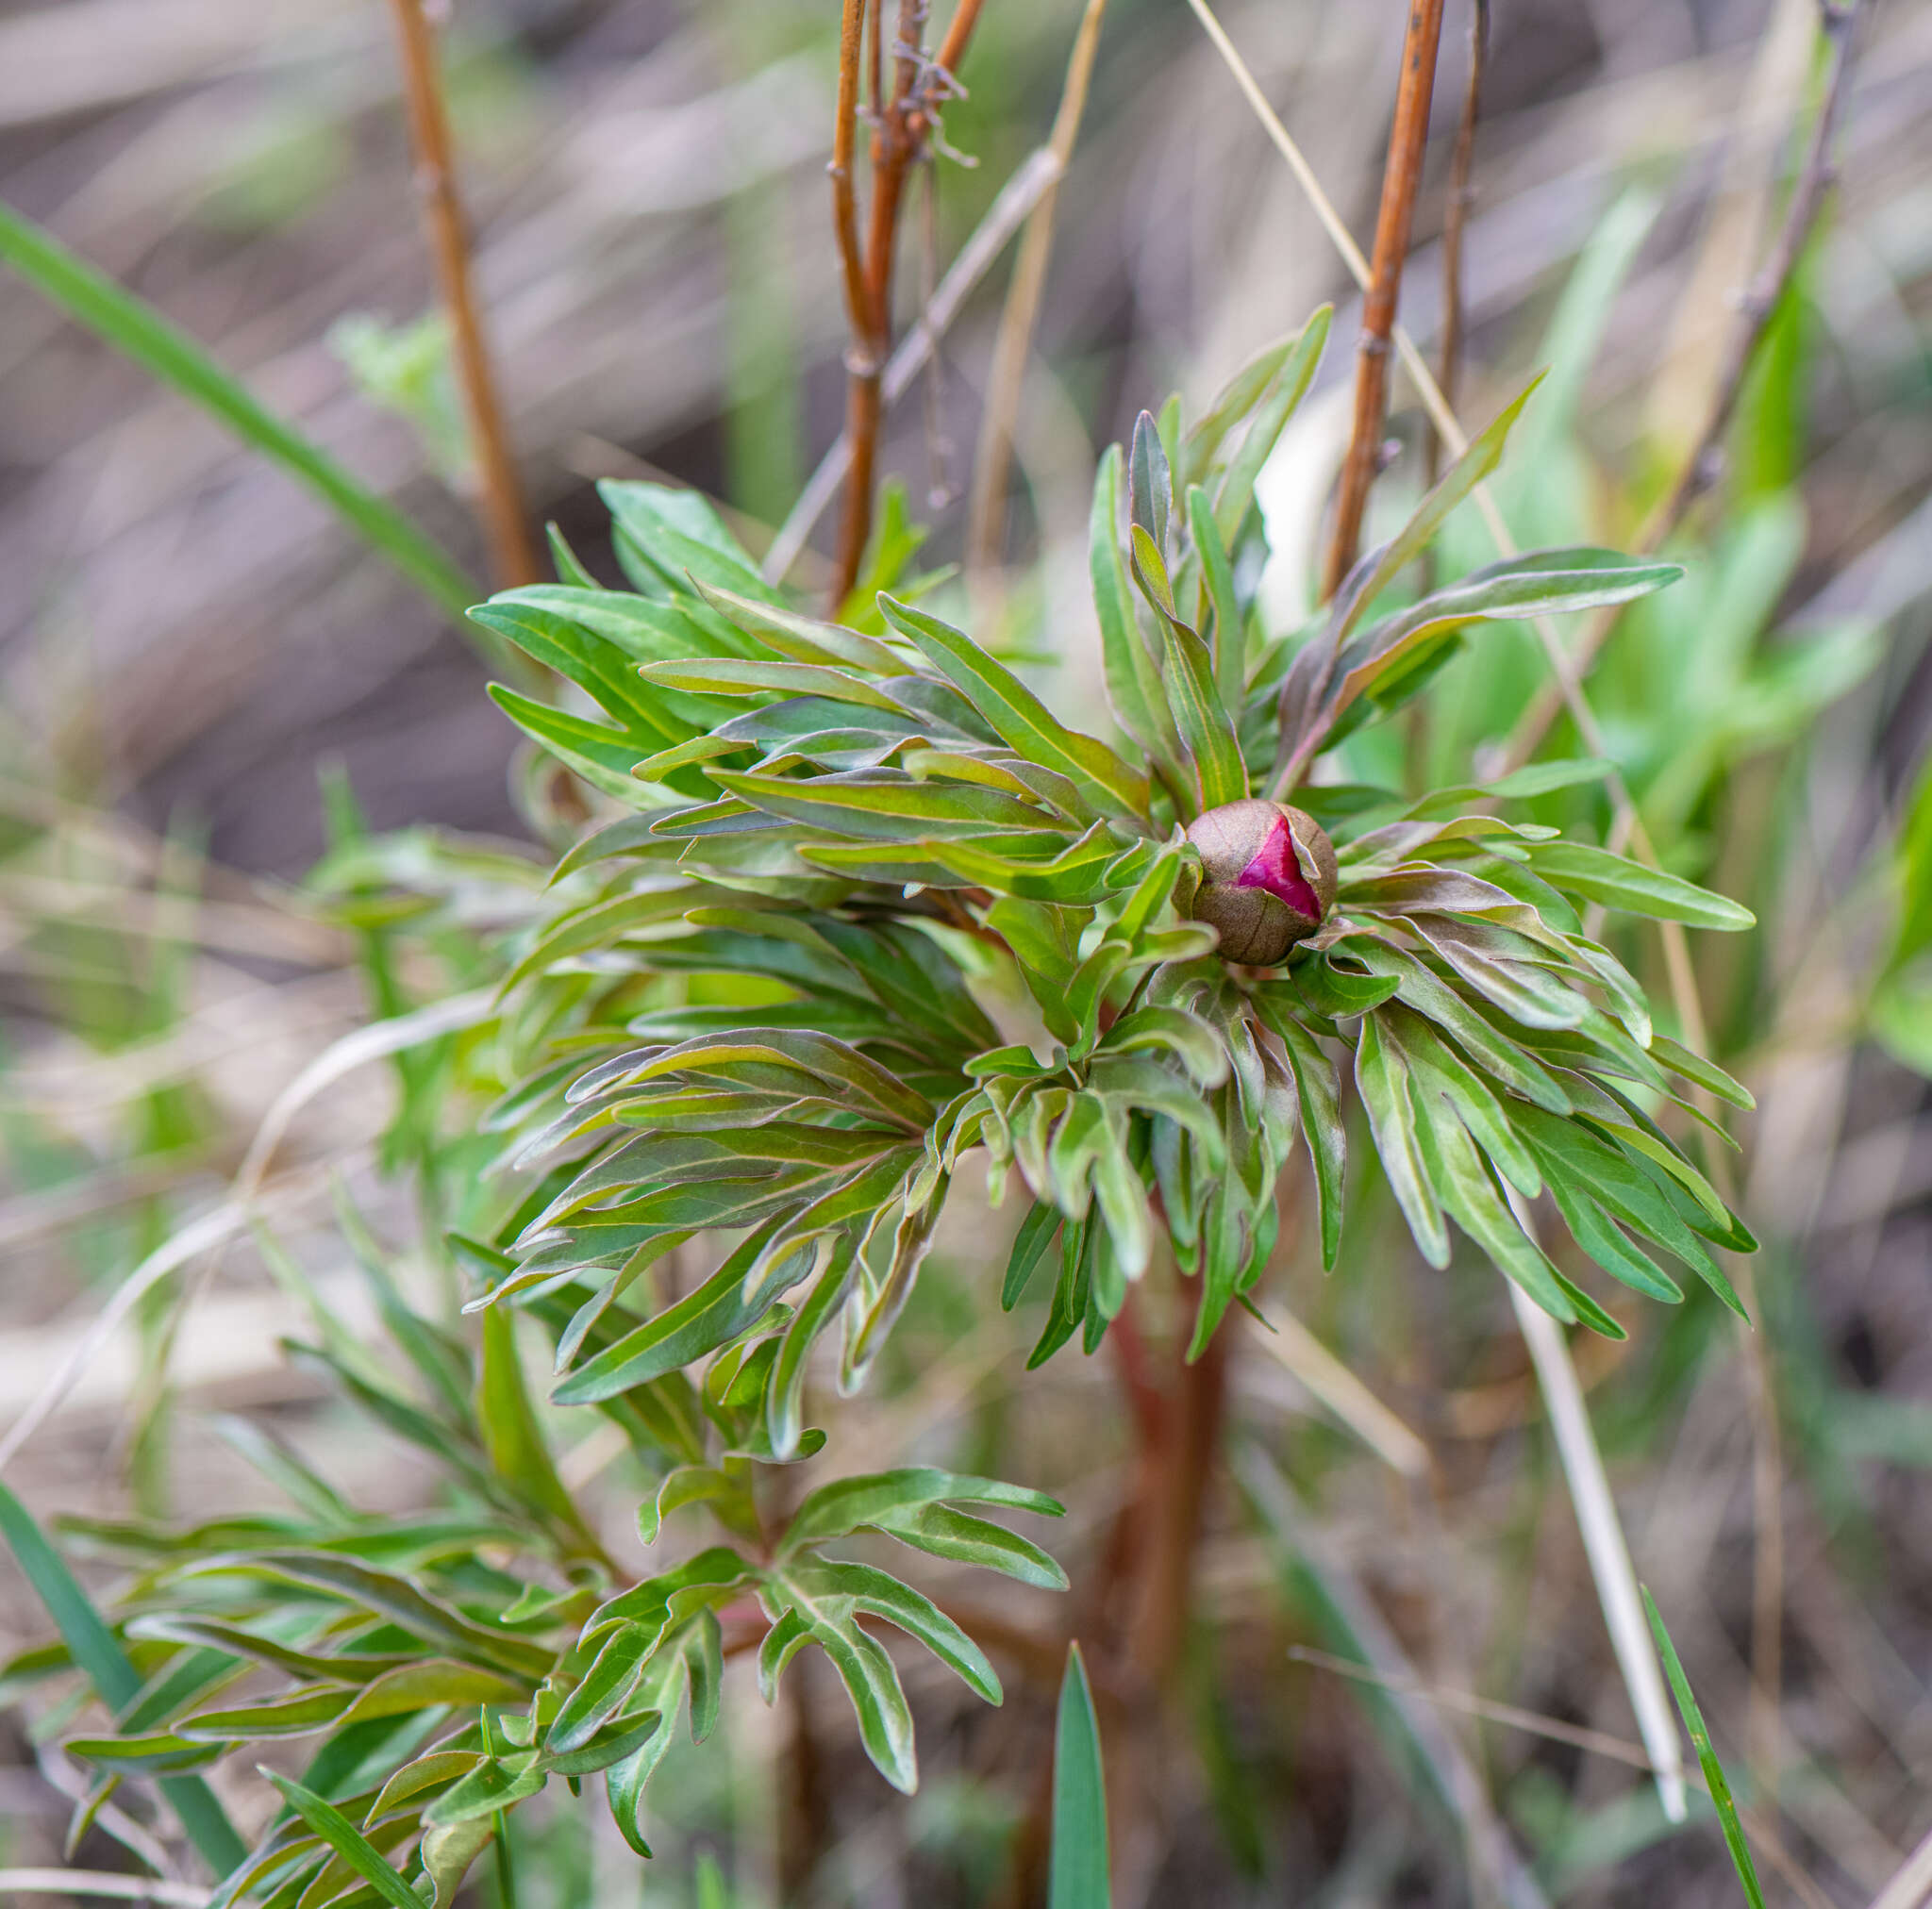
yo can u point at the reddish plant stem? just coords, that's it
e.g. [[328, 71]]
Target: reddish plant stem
[[902, 126], [500, 504], [1401, 182], [844, 189], [804, 1803], [1145, 1399], [1179, 1477]]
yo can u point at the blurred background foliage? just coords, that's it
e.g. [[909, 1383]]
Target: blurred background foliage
[[207, 687]]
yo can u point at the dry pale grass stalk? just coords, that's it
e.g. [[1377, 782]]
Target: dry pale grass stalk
[[1912, 1887], [1303, 1354], [1032, 179], [251, 1191], [1603, 1545], [1014, 342], [99, 1883]]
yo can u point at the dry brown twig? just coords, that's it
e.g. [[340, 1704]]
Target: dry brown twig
[[1401, 183], [902, 129], [500, 501]]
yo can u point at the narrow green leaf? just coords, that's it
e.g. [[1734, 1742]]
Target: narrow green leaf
[[1383, 566], [1318, 1089], [878, 1701], [1706, 1756], [596, 666], [565, 561], [804, 640], [345, 1839], [1207, 729], [1132, 676], [391, 1597], [510, 1433], [98, 1653], [161, 348], [1383, 1081], [1617, 882], [494, 1785], [709, 1317], [1545, 583], [1078, 1876], [942, 1533], [1234, 497], [784, 1389], [893, 807], [1019, 718], [1703, 1073], [882, 1595], [601, 754], [1457, 1174], [754, 676], [1150, 488], [1229, 646], [1031, 1243]]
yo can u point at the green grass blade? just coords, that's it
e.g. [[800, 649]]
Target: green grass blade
[[1706, 1756], [98, 1653], [1078, 1870], [346, 1840], [134, 328]]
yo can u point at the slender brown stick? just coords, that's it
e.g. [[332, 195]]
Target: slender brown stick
[[1704, 465], [500, 502], [902, 126], [1401, 180], [1021, 310], [1461, 198]]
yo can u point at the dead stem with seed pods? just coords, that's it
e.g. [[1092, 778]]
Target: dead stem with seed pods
[[1310, 1063]]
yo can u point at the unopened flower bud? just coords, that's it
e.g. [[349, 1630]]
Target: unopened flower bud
[[1267, 878]]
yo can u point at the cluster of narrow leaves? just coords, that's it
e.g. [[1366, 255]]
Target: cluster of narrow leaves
[[447, 1689], [916, 918], [867, 915]]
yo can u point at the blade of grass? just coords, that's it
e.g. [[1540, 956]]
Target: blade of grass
[[1706, 1756], [1078, 1876], [346, 1840], [98, 1653], [134, 328]]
